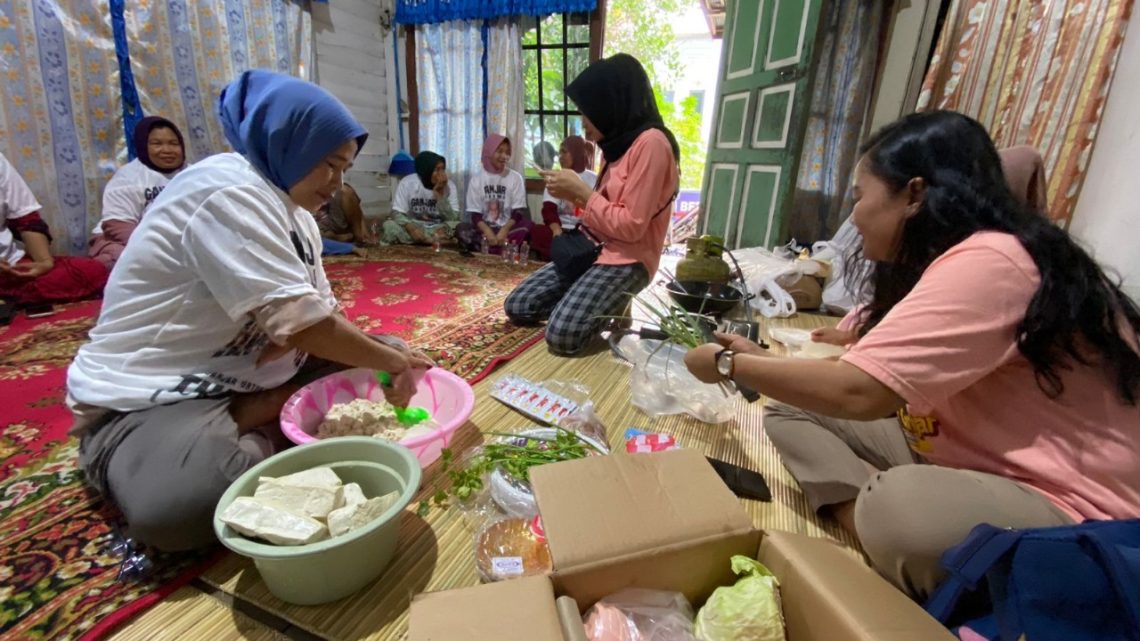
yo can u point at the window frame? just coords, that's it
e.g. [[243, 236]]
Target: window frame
[[597, 22]]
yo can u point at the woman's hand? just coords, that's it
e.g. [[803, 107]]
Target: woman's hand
[[403, 387], [739, 344], [440, 189], [701, 361], [566, 185], [32, 269], [833, 336]]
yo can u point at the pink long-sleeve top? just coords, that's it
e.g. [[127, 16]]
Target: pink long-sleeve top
[[630, 210]]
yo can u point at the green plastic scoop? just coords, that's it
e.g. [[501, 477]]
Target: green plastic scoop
[[408, 416]]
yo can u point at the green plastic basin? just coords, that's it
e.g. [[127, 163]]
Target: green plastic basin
[[334, 568]]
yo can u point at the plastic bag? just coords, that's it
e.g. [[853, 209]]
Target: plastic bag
[[641, 615], [661, 385], [836, 297], [747, 611], [586, 422]]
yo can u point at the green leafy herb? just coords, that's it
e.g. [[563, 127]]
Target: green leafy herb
[[512, 458]]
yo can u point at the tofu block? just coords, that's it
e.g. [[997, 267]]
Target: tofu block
[[313, 477], [315, 501], [350, 517], [353, 495], [274, 523]]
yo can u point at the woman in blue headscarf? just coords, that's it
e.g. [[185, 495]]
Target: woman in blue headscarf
[[212, 311]]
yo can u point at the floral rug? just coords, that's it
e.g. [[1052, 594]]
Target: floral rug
[[59, 563]]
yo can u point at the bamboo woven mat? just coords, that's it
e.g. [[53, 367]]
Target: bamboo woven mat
[[190, 614], [437, 553]]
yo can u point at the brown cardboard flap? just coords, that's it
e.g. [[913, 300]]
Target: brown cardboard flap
[[516, 610], [828, 594], [663, 521], [599, 508]]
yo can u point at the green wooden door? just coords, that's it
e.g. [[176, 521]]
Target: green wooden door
[[762, 103]]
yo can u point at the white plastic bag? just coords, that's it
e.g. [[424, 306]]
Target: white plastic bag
[[661, 385], [640, 615], [837, 298]]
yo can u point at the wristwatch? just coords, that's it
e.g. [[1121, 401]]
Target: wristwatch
[[726, 363]]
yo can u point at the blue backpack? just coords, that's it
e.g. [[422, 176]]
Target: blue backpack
[[1070, 583]]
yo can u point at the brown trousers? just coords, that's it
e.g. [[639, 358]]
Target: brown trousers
[[907, 513]]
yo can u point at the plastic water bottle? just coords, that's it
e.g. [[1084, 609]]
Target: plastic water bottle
[[484, 247], [435, 244], [524, 253], [506, 255]]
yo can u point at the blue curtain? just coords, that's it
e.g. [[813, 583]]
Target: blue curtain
[[436, 11], [449, 67]]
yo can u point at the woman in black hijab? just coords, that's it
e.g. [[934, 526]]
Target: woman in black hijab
[[627, 213]]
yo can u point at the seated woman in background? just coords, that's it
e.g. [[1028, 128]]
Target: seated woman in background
[[496, 201], [29, 274], [214, 312], [426, 206], [1009, 356], [161, 155], [628, 211], [341, 223], [558, 214]]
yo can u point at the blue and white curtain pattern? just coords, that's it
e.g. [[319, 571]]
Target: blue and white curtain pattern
[[449, 73], [66, 109]]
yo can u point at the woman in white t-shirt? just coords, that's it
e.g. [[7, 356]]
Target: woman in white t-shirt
[[558, 214], [213, 310], [426, 206], [496, 201], [29, 274], [161, 155]]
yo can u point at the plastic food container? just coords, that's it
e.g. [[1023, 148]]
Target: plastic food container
[[449, 399], [334, 568]]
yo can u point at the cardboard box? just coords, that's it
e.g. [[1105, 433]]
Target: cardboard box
[[666, 521]]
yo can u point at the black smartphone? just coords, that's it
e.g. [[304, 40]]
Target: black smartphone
[[39, 310], [743, 482]]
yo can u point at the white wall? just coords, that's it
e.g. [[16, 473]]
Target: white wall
[[1107, 214], [904, 62], [353, 61]]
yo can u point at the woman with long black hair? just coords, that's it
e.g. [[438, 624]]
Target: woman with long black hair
[[627, 212], [1005, 357]]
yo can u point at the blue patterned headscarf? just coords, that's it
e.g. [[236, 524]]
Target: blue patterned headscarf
[[284, 125]]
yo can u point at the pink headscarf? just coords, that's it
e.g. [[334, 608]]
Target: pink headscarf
[[490, 146]]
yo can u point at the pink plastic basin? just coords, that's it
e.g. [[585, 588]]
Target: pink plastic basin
[[449, 399]]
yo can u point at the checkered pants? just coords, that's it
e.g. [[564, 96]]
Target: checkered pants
[[572, 310]]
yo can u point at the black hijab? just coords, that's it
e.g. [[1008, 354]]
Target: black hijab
[[615, 94], [425, 166]]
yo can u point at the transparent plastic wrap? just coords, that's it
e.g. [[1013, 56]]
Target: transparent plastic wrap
[[640, 615], [490, 481], [661, 385], [548, 401], [509, 548]]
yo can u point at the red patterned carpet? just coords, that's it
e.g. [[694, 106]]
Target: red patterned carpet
[[58, 573]]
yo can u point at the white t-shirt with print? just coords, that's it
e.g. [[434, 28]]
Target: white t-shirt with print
[[131, 191], [418, 202], [566, 215], [16, 201], [218, 243], [496, 196]]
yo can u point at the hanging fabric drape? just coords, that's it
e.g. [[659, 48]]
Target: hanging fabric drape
[[436, 11], [841, 96], [62, 109], [1033, 72], [449, 72], [504, 112]]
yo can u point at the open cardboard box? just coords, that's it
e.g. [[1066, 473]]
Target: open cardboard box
[[666, 521]]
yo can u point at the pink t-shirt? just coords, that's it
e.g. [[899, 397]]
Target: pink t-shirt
[[632, 191], [949, 350]]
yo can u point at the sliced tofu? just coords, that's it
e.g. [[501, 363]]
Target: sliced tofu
[[353, 495], [264, 520], [350, 517], [315, 501], [313, 477]]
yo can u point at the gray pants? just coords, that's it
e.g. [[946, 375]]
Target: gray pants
[[906, 513], [166, 467]]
